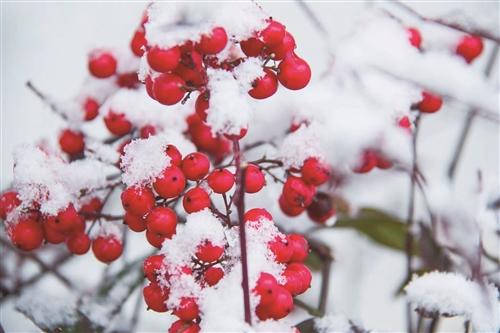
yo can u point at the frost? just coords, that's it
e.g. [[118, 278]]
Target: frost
[[333, 323], [52, 182], [452, 294], [299, 145], [99, 151]]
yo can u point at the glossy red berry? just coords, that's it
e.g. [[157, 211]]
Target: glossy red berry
[[208, 252], [71, 142], [8, 202], [289, 210], [162, 221], [254, 179], [281, 249], [174, 154], [128, 80], [78, 243], [470, 47], [202, 104], [220, 180], [321, 209], [187, 309], [273, 34], [164, 60], [190, 69], [264, 86], [102, 64], [68, 219], [405, 123], [92, 206], [182, 326], [252, 47], [293, 72], [117, 123], [430, 102], [195, 199], [152, 265], [298, 278], [297, 192], [138, 42], [266, 287], [414, 37], [138, 200], [155, 297], [134, 222], [168, 89], [107, 248], [195, 166], [282, 305], [315, 172], [286, 46], [256, 215], [214, 42], [171, 183], [367, 163], [300, 247], [147, 130], [26, 234], [91, 108], [51, 234], [155, 239], [213, 275]]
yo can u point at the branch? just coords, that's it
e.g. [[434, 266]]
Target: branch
[[46, 100]]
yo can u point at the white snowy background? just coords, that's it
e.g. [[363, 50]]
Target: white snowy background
[[47, 43]]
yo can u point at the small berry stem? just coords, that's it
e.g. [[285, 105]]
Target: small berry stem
[[239, 201]]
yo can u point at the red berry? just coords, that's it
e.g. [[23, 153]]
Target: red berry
[[368, 162], [134, 222], [273, 34], [51, 234], [164, 60], [315, 172], [174, 154], [195, 199], [191, 69], [266, 287], [93, 206], [265, 86], [162, 221], [78, 243], [213, 43], [152, 265], [220, 180], [289, 210], [281, 249], [405, 123], [321, 209], [202, 104], [182, 326], [147, 130], [254, 179], [282, 305], [293, 72], [155, 239], [138, 42], [430, 103], [67, 219], [383, 163], [238, 136], [8, 202], [470, 47], [171, 182], [195, 166], [252, 47], [414, 37], [300, 247], [155, 297], [117, 123], [213, 275], [127, 80], [107, 248], [148, 83], [297, 192], [26, 234], [304, 273], [71, 142], [91, 108], [102, 64], [187, 309], [256, 215], [298, 278], [208, 252], [286, 46], [168, 89], [262, 312], [138, 200]]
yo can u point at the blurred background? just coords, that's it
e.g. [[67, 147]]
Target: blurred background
[[47, 43]]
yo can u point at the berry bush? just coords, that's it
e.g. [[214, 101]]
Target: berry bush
[[214, 174]]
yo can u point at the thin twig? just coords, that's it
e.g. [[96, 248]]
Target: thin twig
[[53, 106]]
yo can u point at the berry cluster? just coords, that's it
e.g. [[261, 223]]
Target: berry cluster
[[30, 228]]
